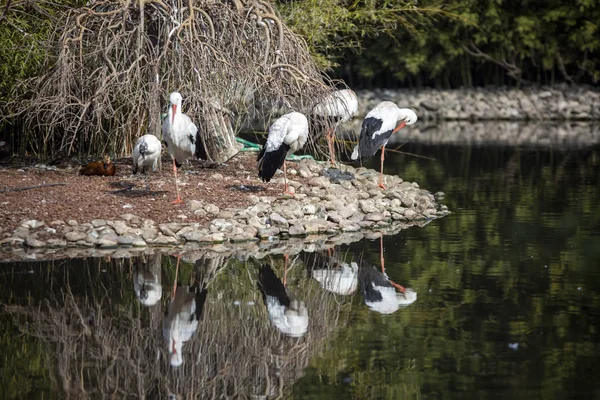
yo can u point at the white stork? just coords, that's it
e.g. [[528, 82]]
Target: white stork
[[181, 136], [147, 281], [380, 293], [146, 154], [287, 313], [182, 317], [342, 280], [286, 136], [335, 109], [379, 124]]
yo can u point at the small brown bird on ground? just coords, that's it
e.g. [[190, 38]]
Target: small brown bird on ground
[[102, 168]]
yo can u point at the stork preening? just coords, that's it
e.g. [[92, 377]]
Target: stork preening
[[181, 136], [379, 124], [286, 313], [335, 109], [146, 154], [379, 290], [287, 135]]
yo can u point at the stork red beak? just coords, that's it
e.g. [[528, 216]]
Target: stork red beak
[[174, 112], [400, 126], [174, 349]]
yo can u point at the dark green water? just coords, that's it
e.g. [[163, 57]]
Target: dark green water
[[508, 303]]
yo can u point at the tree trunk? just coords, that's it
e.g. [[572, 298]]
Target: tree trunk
[[218, 135]]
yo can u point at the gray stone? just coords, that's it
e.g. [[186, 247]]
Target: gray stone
[[125, 239], [33, 223], [374, 216], [225, 214], [57, 222], [309, 209], [56, 243], [319, 181], [21, 232], [106, 242], [120, 227], [334, 217], [410, 214], [211, 209], [297, 230], [367, 206], [169, 229], [195, 205], [149, 233], [348, 211], [138, 242], [75, 236], [278, 220], [33, 242], [268, 232], [162, 240], [98, 222]]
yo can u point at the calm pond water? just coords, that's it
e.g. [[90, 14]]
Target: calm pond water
[[507, 303]]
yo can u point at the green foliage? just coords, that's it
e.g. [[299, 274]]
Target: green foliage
[[454, 43], [24, 27]]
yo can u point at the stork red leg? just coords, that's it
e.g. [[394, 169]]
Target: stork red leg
[[286, 189], [178, 200], [176, 276], [381, 185], [286, 257], [401, 288]]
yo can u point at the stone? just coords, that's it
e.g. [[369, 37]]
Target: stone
[[334, 217], [348, 211], [296, 230], [33, 223], [138, 242], [162, 240], [211, 209], [410, 214], [57, 222], [319, 181], [169, 229], [125, 239], [75, 236], [374, 216], [253, 199], [225, 214], [34, 243], [309, 209], [367, 206], [56, 243], [98, 222], [106, 242], [278, 220], [268, 232], [120, 227], [195, 205], [149, 233]]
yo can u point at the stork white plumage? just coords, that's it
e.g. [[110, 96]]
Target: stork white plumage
[[181, 136], [146, 154], [147, 281], [342, 280], [379, 290], [335, 109], [288, 314], [182, 318], [379, 124], [287, 135]]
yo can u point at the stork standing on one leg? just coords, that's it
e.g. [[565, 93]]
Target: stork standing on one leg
[[181, 136], [379, 124], [287, 135], [335, 109], [146, 154]]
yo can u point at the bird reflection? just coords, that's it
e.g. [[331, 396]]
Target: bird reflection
[[182, 317], [286, 312], [341, 279], [146, 280], [379, 290]]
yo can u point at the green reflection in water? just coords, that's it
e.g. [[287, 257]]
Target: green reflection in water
[[508, 284]]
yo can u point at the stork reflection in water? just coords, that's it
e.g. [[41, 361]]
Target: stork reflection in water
[[182, 317], [147, 280], [286, 312], [379, 290]]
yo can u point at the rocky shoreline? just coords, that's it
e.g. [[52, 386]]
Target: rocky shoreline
[[558, 103], [334, 205]]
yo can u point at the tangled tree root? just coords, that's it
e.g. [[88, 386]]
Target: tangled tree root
[[111, 66]]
